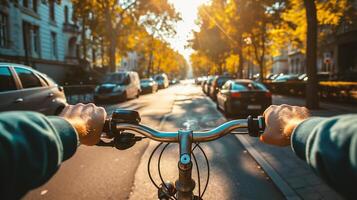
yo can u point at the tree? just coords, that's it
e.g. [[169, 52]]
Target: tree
[[312, 98], [304, 25], [115, 19]]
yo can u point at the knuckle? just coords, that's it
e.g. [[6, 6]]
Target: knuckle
[[90, 105]]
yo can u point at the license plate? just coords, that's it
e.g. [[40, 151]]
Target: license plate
[[254, 107]]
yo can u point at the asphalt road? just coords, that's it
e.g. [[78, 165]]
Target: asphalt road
[[107, 173]]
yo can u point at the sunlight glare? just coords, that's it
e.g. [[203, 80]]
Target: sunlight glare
[[188, 10]]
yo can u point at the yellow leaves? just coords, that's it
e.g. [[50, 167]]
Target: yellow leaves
[[232, 63], [294, 26], [330, 12]]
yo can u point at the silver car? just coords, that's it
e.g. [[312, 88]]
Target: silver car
[[23, 88]]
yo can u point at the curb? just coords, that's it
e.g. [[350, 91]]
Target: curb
[[279, 182]]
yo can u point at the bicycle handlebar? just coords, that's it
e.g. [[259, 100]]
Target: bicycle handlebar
[[130, 120]]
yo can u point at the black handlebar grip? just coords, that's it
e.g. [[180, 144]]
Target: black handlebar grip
[[106, 127], [256, 126]]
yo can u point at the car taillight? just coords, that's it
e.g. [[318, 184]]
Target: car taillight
[[235, 94], [268, 94]]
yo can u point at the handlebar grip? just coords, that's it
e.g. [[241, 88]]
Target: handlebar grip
[[256, 126], [106, 127]]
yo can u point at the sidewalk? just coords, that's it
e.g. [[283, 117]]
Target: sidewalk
[[293, 176]]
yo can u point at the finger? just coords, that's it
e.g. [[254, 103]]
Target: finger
[[88, 110], [66, 110], [269, 110], [76, 110]]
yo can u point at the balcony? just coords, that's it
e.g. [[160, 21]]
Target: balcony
[[70, 28]]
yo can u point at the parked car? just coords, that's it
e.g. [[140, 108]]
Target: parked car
[[208, 84], [286, 78], [199, 80], [148, 85], [162, 80], [174, 81], [217, 84], [243, 97], [23, 88], [118, 86]]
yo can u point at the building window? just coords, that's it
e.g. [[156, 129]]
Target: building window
[[66, 14], [36, 41], [4, 31], [25, 3], [34, 5], [54, 44], [26, 37], [52, 10]]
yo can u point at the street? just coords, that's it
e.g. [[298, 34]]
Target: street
[[107, 173]]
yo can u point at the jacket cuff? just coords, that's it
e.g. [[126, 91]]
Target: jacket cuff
[[67, 134], [301, 134]]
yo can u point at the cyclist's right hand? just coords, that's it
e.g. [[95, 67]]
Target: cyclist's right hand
[[280, 122], [87, 119]]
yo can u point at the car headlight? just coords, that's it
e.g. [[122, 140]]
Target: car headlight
[[118, 89]]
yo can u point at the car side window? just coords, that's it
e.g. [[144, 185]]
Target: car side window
[[28, 78], [7, 82]]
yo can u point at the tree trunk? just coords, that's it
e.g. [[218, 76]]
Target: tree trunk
[[102, 51], [240, 54], [112, 50], [312, 97]]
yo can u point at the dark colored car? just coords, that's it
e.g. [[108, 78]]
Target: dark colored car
[[286, 78], [118, 86], [243, 97], [207, 85], [217, 84], [23, 88], [174, 81], [148, 85], [162, 80]]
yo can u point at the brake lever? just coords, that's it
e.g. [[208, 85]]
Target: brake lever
[[126, 140]]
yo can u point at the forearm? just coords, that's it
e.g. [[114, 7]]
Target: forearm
[[329, 146], [32, 147]]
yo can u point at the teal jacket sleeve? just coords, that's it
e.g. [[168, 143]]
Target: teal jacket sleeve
[[32, 147], [329, 146]]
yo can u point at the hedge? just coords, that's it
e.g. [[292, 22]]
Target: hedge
[[331, 90]]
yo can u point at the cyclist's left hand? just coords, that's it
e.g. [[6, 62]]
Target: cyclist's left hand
[[87, 119]]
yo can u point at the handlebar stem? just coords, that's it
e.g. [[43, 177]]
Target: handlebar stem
[[185, 184]]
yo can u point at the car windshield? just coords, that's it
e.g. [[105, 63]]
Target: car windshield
[[248, 86], [222, 81], [146, 81], [114, 78], [159, 78], [287, 77]]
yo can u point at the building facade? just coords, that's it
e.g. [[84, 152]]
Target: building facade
[[41, 34]]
